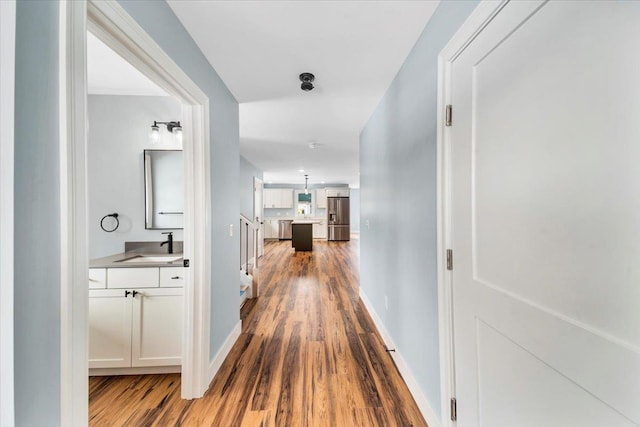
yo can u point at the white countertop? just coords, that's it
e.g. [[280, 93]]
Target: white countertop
[[306, 221]]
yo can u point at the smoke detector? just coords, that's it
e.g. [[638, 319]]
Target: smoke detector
[[307, 81]]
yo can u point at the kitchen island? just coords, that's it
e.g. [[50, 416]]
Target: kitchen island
[[302, 234]]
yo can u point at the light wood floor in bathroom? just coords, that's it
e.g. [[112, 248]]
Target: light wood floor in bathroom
[[309, 355]]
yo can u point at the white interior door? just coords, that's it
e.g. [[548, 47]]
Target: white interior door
[[545, 202], [258, 212]]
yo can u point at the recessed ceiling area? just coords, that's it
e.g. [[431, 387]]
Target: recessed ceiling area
[[259, 49], [109, 74]]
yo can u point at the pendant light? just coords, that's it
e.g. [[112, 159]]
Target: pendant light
[[306, 181]]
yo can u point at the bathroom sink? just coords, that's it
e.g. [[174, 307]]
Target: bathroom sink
[[152, 258]]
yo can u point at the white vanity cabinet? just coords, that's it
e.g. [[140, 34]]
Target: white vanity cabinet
[[137, 326]]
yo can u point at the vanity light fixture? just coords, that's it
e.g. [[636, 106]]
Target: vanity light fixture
[[173, 127]]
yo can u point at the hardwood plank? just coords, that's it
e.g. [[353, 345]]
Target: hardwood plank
[[308, 355]]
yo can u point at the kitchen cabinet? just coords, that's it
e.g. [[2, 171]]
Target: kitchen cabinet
[[286, 198], [271, 197], [278, 198], [337, 192], [137, 326], [320, 230], [270, 228], [321, 198]]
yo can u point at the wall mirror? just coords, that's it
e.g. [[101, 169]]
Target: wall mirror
[[163, 189]]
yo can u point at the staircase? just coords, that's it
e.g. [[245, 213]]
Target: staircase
[[248, 269]]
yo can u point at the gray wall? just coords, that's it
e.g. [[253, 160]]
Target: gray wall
[[37, 217], [37, 193], [398, 198], [118, 133], [159, 21]]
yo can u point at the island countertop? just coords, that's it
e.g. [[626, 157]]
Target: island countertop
[[306, 221]]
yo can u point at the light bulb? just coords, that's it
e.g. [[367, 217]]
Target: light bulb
[[177, 131], [154, 135]]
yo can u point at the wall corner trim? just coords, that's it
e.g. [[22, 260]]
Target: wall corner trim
[[222, 354], [421, 400]]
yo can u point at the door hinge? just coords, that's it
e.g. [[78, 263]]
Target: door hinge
[[454, 409], [448, 115], [449, 259]]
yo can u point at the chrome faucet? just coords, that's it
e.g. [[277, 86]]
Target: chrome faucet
[[169, 241]]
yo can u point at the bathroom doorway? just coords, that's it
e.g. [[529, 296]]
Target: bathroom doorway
[[113, 26], [136, 221]]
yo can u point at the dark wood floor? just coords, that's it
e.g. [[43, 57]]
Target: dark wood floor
[[308, 355]]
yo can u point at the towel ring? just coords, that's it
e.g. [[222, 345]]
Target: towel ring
[[117, 222]]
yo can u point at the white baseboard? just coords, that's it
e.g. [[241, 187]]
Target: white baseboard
[[222, 354], [421, 400], [146, 370]]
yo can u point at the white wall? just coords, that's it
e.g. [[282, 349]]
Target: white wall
[[118, 133]]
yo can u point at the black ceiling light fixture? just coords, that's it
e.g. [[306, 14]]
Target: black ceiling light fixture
[[307, 81]]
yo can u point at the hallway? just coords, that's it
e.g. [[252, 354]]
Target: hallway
[[309, 355]]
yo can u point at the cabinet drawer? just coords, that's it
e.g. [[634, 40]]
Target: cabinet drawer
[[97, 278], [171, 277], [132, 278]]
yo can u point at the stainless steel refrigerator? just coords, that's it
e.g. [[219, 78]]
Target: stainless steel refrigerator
[[338, 218]]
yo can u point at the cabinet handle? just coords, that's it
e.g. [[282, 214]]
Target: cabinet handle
[[175, 277], [134, 293], [126, 293]]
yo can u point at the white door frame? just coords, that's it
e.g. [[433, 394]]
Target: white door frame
[[475, 23], [7, 88], [110, 22], [258, 210]]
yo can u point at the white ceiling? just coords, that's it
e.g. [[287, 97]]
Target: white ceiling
[[354, 48], [109, 74]]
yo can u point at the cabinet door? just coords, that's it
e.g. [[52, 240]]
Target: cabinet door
[[109, 328], [271, 198], [157, 327], [286, 198], [321, 198], [271, 229], [266, 228], [320, 230]]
